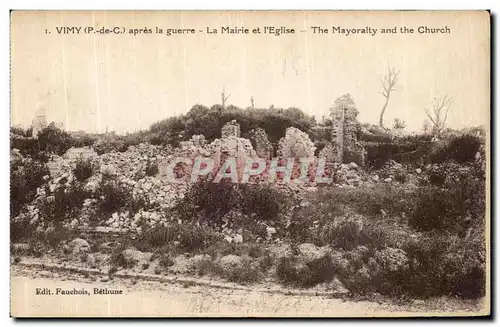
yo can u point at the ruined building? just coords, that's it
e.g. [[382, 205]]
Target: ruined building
[[295, 144], [231, 128], [39, 121], [261, 143], [344, 129], [231, 145]]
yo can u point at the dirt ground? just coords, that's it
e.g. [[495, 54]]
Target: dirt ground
[[155, 299]]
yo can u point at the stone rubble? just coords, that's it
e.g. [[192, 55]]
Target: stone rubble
[[142, 170], [296, 144]]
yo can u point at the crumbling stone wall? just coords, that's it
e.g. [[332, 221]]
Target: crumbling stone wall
[[195, 143], [344, 128], [231, 128], [231, 145], [328, 152], [296, 144], [262, 145], [198, 140]]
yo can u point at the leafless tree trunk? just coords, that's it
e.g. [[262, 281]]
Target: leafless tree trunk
[[224, 98], [439, 113], [388, 82]]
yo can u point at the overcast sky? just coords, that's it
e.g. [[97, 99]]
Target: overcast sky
[[126, 83]]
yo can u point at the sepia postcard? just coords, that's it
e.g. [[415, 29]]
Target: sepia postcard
[[250, 163]]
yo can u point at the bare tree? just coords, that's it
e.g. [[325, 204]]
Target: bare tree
[[439, 113], [224, 97], [251, 102], [398, 124], [388, 81]]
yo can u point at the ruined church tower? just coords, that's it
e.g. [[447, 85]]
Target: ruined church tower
[[39, 121], [344, 127]]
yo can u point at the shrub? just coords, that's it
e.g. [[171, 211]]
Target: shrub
[[54, 237], [190, 237], [444, 264], [166, 260], [210, 202], [370, 202], [400, 177], [299, 227], [27, 146], [377, 235], [64, 204], [262, 202], [348, 233], [131, 139], [461, 149], [116, 258], [377, 154], [452, 208], [292, 270], [28, 132], [20, 229], [113, 197], [312, 212], [84, 140], [168, 131], [109, 144], [247, 272], [54, 140], [343, 233], [409, 150], [437, 176], [256, 251], [430, 264], [205, 265], [463, 274], [348, 218], [209, 121], [26, 176], [372, 133], [83, 169]]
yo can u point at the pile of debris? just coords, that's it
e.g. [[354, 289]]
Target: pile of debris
[[141, 170], [296, 144]]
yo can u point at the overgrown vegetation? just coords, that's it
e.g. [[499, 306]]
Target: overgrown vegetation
[[83, 169], [65, 203], [424, 243], [419, 149], [210, 202], [454, 205], [26, 175], [190, 237], [461, 149], [115, 198], [389, 238], [209, 121]]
